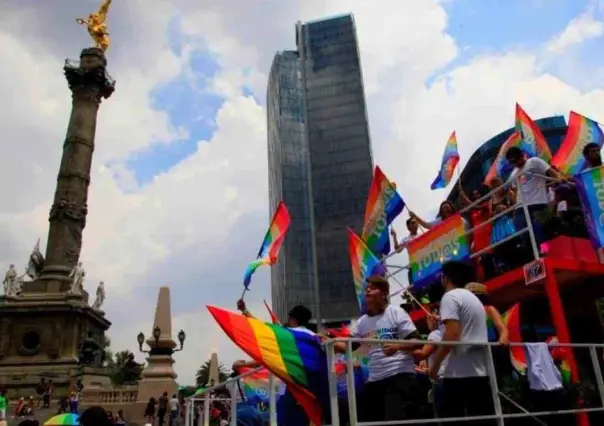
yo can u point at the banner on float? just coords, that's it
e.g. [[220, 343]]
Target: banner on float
[[444, 242], [590, 186]]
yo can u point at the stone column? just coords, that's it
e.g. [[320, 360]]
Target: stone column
[[89, 83]]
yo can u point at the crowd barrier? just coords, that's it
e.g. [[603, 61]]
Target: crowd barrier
[[498, 416]]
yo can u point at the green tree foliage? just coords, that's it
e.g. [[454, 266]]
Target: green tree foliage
[[119, 369], [203, 374]]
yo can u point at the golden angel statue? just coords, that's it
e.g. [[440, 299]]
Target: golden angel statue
[[97, 27]]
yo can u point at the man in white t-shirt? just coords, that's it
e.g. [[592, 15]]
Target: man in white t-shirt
[[531, 173], [390, 392], [466, 387], [428, 352]]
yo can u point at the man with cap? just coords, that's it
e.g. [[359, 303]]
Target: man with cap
[[391, 389]]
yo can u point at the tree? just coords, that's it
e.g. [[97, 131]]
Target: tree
[[121, 370], [203, 374]]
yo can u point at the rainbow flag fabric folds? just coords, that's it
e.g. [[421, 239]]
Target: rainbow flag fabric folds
[[449, 162], [384, 204], [590, 187], [364, 264], [256, 386], [511, 319], [273, 240], [295, 357], [581, 131], [533, 140], [442, 243], [501, 167]]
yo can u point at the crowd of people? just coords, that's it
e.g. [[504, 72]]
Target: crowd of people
[[456, 381]]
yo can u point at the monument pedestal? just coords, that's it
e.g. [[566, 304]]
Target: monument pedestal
[[39, 339], [93, 377]]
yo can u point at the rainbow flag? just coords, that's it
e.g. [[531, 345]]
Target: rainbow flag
[[449, 162], [501, 167], [533, 140], [511, 319], [364, 264], [590, 187], [384, 204], [561, 355], [273, 240], [256, 386], [581, 131], [442, 243], [295, 357], [274, 318]]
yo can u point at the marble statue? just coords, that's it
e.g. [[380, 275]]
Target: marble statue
[[36, 262], [10, 279], [100, 296], [77, 276], [97, 27]]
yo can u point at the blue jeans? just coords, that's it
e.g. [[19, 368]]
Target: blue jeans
[[520, 223], [437, 398]]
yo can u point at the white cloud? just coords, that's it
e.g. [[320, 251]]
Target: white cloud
[[582, 28], [195, 226]]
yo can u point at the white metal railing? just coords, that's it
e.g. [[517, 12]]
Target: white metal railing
[[498, 415], [519, 204]]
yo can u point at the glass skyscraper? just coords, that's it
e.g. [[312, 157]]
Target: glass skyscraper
[[320, 165]]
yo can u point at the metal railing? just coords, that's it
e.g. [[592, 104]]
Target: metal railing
[[499, 416], [519, 204]]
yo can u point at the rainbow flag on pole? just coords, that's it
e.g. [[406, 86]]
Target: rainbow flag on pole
[[295, 357], [501, 167], [533, 140], [449, 162], [581, 131], [590, 187], [364, 264], [256, 386], [273, 240], [384, 204], [442, 243]]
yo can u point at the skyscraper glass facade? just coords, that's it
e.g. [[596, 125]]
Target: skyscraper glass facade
[[332, 124]]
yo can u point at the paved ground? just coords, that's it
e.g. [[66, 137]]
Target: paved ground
[[40, 415]]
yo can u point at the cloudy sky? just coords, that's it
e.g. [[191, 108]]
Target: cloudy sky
[[179, 180]]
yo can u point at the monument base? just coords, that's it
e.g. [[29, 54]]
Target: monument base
[[155, 387], [92, 377], [39, 339]]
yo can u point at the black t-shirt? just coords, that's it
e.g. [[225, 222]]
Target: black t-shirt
[[163, 403]]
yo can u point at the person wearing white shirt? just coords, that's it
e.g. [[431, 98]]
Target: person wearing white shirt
[[428, 352], [412, 227], [531, 173], [466, 386], [391, 389]]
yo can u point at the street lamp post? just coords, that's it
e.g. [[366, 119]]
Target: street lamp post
[[156, 350]]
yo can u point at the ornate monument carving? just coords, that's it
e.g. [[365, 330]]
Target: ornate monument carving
[[90, 352], [77, 276], [100, 296], [132, 370], [97, 27], [10, 280], [35, 263]]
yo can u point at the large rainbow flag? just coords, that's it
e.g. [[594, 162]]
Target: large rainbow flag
[[501, 167], [364, 264], [447, 167], [442, 243], [511, 319], [533, 140], [590, 187], [295, 357], [581, 131], [273, 240], [384, 204]]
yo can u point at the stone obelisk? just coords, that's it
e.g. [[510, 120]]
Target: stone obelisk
[[158, 375], [89, 84]]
